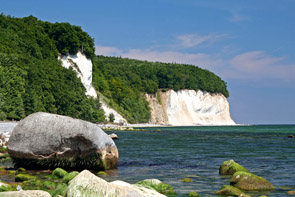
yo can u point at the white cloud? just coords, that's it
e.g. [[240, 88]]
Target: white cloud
[[258, 64], [192, 40], [107, 51]]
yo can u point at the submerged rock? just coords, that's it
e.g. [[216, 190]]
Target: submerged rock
[[228, 190], [250, 182], [44, 140], [87, 184], [230, 167]]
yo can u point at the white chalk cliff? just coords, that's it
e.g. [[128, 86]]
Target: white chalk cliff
[[83, 67], [188, 107], [184, 107]]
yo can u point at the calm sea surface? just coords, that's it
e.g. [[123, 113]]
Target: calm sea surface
[[197, 152]]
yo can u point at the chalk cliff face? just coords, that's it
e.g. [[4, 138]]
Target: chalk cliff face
[[83, 68], [188, 107]]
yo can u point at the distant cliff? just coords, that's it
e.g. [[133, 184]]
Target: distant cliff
[[83, 67], [188, 107]]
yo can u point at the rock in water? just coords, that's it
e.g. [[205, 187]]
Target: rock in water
[[250, 182], [230, 167], [44, 140]]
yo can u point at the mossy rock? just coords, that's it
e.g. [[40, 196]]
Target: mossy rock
[[24, 177], [68, 177], [21, 170], [193, 194], [4, 187], [60, 189], [48, 185], [158, 185], [59, 172], [187, 180], [10, 172], [250, 182], [228, 190], [230, 167], [32, 184], [100, 173]]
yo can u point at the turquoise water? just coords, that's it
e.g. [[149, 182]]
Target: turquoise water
[[197, 152]]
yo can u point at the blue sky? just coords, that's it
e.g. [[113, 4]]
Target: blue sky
[[250, 44]]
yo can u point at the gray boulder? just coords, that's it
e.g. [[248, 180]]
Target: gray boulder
[[44, 140]]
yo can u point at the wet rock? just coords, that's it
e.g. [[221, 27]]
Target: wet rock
[[114, 136], [157, 185], [187, 180], [193, 194], [291, 192], [230, 167], [87, 184], [44, 140], [24, 177], [68, 177], [228, 190], [25, 193], [59, 172], [250, 182], [291, 136]]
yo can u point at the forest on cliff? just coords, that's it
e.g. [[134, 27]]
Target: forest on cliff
[[32, 78]]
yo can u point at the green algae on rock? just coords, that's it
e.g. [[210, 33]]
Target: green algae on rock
[[229, 191], [230, 167], [24, 177], [250, 182], [59, 172], [193, 194], [157, 185], [187, 180], [68, 177]]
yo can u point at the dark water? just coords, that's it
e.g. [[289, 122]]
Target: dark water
[[197, 152]]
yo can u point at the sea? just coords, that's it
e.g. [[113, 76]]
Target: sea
[[171, 154]]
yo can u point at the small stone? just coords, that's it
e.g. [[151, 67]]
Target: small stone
[[101, 173], [187, 180], [193, 194], [114, 136]]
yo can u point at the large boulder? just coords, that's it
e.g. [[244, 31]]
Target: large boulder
[[230, 167], [250, 182], [87, 184], [44, 140]]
